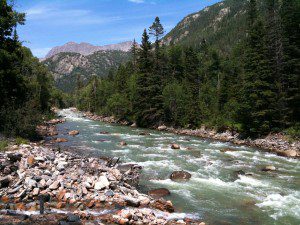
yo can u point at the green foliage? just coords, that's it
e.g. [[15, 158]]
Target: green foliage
[[25, 85], [3, 145], [20, 141], [253, 88]]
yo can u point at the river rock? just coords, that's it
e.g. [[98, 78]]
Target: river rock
[[74, 132], [227, 150], [158, 193], [101, 183], [14, 157], [132, 201], [180, 176], [287, 153], [144, 133], [31, 160], [269, 168], [175, 146], [54, 185], [162, 128], [35, 191], [61, 140], [4, 182], [123, 143]]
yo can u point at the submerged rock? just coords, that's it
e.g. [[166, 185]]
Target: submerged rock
[[287, 153], [60, 140], [180, 176], [123, 143], [158, 193]]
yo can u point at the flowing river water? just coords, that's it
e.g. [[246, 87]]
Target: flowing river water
[[215, 193]]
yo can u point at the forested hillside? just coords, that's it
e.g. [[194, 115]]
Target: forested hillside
[[253, 89], [222, 25], [67, 67], [25, 85]]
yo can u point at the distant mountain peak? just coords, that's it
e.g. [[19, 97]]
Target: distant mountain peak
[[85, 48]]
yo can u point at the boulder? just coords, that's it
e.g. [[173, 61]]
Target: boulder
[[269, 168], [159, 193], [287, 153], [101, 183], [162, 128], [175, 146], [133, 125], [180, 176], [35, 191], [74, 132]]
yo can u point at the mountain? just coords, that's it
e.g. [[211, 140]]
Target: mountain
[[88, 49], [221, 25], [66, 66]]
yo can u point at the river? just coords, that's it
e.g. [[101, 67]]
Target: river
[[215, 193]]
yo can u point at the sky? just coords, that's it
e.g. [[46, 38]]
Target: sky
[[51, 23]]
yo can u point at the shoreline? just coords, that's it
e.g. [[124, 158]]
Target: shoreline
[[75, 189], [273, 143]]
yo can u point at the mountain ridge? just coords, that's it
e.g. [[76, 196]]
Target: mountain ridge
[[86, 49]]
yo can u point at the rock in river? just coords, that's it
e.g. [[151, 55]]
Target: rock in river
[[74, 132], [175, 146], [269, 168], [158, 193], [180, 176]]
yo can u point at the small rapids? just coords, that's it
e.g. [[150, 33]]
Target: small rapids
[[216, 193]]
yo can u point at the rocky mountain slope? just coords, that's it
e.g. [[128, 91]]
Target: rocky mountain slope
[[221, 25], [88, 49], [67, 66]]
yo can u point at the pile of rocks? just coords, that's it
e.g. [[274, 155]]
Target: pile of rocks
[[72, 183]]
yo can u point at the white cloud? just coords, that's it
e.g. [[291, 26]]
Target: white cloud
[[52, 14], [137, 1]]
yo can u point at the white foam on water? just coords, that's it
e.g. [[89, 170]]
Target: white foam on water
[[170, 183], [213, 182], [121, 151], [155, 156], [218, 144], [159, 164], [281, 206], [251, 181], [185, 193]]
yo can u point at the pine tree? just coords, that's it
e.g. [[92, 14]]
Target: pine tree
[[258, 94], [134, 53], [290, 19]]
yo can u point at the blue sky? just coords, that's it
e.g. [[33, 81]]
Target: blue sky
[[55, 22]]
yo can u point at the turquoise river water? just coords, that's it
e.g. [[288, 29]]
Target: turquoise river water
[[215, 193]]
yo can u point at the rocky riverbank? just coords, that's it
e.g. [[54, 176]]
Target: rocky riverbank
[[276, 143], [72, 189]]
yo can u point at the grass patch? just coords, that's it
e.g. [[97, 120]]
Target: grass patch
[[20, 141], [3, 145]]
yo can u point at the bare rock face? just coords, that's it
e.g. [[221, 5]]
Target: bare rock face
[[88, 49]]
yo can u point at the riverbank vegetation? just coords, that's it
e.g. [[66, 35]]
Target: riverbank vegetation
[[254, 89], [26, 90]]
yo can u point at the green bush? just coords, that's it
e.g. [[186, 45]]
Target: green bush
[[294, 132]]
